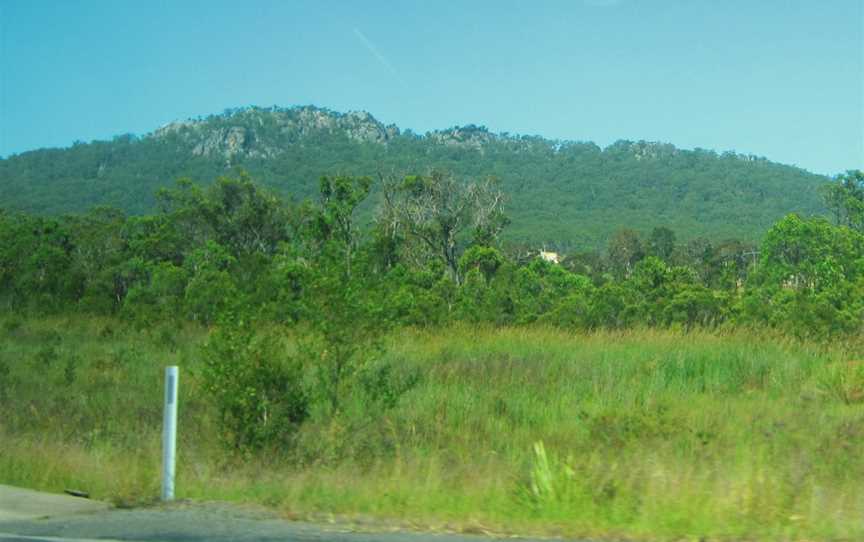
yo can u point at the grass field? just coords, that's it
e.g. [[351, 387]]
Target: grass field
[[643, 434]]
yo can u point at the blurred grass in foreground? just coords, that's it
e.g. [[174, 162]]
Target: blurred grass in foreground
[[645, 434]]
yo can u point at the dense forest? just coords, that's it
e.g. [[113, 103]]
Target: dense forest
[[433, 255], [562, 194]]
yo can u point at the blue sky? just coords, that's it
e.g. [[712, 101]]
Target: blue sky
[[781, 79]]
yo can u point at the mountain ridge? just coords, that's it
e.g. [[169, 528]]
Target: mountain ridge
[[566, 192], [374, 131]]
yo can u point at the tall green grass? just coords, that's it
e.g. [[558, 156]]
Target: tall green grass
[[651, 434]]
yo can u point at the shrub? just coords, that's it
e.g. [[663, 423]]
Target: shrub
[[256, 384]]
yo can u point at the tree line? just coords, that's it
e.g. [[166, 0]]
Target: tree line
[[432, 255]]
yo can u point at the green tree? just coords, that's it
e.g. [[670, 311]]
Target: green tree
[[845, 199], [100, 257], [236, 213], [661, 243], [808, 279], [334, 219], [211, 289], [36, 263], [624, 252]]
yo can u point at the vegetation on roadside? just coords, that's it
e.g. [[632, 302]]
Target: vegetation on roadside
[[426, 370], [644, 433]]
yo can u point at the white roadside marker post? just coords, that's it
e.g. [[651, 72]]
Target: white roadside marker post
[[169, 433]]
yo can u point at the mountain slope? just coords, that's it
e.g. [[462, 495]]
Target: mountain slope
[[566, 194]]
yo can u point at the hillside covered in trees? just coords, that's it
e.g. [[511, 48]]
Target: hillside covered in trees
[[567, 195]]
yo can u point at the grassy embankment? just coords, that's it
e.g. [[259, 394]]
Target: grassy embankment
[[644, 434]]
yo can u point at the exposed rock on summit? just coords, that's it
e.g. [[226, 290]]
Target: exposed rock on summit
[[263, 132]]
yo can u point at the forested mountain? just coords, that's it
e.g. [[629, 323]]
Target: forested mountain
[[563, 194]]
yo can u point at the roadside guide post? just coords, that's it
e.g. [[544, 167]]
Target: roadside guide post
[[169, 433]]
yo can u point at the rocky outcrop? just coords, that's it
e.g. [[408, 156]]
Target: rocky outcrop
[[257, 132], [463, 136], [227, 142], [262, 132]]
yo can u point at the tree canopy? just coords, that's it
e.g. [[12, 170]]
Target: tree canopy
[[434, 256]]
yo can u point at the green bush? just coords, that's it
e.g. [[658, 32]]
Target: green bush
[[256, 384]]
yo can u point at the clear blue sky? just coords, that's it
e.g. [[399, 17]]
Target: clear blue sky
[[781, 79]]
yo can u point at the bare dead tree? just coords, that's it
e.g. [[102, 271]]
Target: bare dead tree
[[437, 210]]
